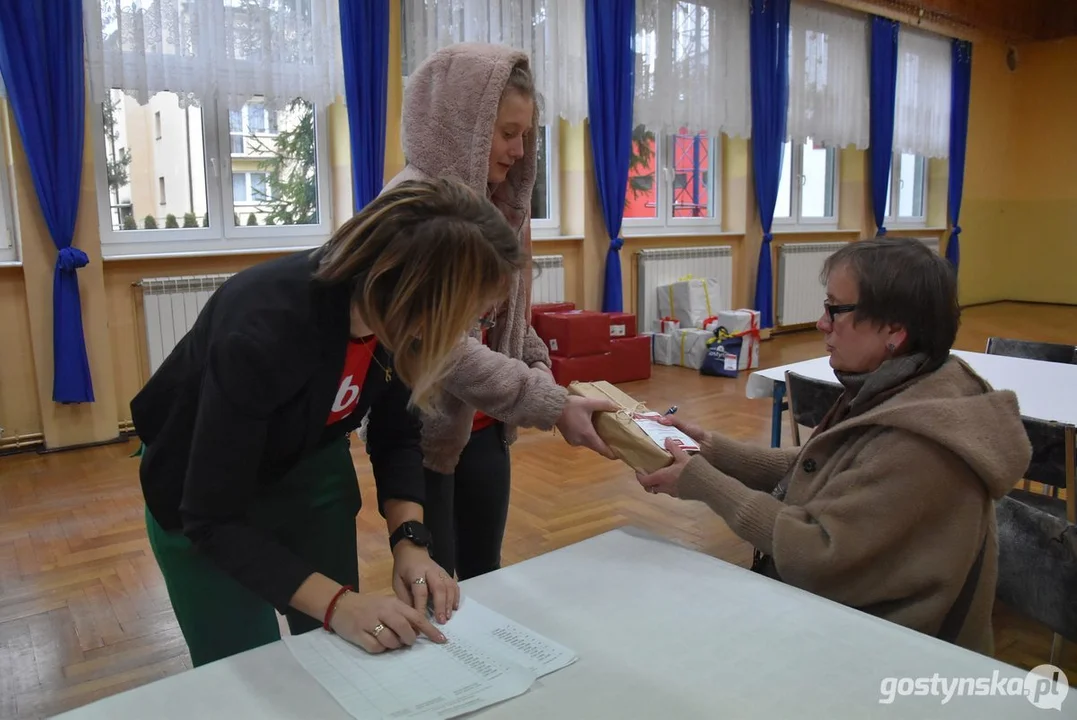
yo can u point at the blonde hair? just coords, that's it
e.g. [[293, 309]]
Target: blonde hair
[[425, 260], [522, 81]]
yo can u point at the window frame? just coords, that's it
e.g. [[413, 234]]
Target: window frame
[[795, 222], [9, 250], [891, 220], [663, 223], [9, 253], [551, 226], [222, 237], [9, 207]]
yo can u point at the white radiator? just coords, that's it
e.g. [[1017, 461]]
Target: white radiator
[[170, 306], [932, 243], [800, 292], [548, 280], [658, 267]]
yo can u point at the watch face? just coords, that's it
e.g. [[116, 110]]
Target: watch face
[[417, 533]]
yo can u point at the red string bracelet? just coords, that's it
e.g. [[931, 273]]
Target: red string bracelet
[[333, 606]]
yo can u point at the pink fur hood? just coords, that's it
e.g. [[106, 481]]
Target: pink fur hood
[[450, 109]]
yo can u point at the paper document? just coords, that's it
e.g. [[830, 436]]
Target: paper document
[[488, 659], [649, 423]]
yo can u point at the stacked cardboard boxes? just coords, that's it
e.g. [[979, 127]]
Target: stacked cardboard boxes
[[690, 322], [588, 346]]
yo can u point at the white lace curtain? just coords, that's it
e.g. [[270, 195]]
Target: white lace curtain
[[551, 32], [229, 49], [922, 107], [692, 66], [829, 68]]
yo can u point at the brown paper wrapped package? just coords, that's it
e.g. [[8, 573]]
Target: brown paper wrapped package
[[625, 438]]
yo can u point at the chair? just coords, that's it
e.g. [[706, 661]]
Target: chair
[[1037, 568], [809, 401], [1053, 465], [1048, 352]]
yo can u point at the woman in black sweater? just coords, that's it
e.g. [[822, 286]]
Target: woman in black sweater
[[251, 494]]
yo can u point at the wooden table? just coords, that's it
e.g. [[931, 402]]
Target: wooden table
[[1045, 390], [661, 632]]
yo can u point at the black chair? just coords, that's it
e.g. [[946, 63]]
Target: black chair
[[809, 401], [1053, 465], [1032, 350], [1037, 568]]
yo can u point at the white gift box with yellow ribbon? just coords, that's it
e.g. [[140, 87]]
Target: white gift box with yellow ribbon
[[689, 300], [686, 348], [745, 323]]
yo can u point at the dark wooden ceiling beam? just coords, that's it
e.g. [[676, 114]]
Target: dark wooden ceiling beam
[[1008, 20]]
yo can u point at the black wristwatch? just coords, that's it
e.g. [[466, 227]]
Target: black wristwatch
[[413, 531]]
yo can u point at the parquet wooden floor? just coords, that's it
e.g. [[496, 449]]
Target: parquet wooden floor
[[83, 609]]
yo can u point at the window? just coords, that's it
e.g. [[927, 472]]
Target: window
[[545, 205], [251, 127], [269, 190], [909, 174], [807, 190], [690, 88], [157, 125], [250, 188], [673, 183], [8, 246]]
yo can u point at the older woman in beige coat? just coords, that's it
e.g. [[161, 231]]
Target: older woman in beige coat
[[889, 506], [471, 112]]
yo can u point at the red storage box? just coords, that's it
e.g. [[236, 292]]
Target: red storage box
[[631, 359], [589, 368], [622, 325], [574, 334], [544, 308]]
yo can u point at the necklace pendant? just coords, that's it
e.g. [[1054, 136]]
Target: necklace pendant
[[388, 375]]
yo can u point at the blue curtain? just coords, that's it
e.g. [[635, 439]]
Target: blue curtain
[[42, 63], [611, 83], [960, 84], [364, 40], [884, 45], [769, 42]]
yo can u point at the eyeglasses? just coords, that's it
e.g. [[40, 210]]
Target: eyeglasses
[[835, 310]]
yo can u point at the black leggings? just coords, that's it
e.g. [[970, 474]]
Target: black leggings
[[467, 510]]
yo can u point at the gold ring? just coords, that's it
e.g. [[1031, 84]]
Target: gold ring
[[420, 581], [377, 630]]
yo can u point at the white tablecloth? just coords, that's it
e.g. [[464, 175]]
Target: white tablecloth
[[661, 632], [1045, 390]]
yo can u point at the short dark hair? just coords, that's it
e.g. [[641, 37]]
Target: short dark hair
[[903, 282]]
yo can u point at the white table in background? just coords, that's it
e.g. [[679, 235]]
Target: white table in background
[[660, 631], [1045, 390]]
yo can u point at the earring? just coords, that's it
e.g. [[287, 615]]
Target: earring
[[890, 347]]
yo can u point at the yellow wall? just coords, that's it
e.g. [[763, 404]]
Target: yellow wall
[[1019, 212], [985, 206], [1040, 245], [19, 410]]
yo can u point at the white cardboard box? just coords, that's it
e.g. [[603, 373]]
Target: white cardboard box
[[689, 301], [686, 348], [746, 323]]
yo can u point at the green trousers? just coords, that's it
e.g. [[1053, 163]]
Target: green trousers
[[311, 512]]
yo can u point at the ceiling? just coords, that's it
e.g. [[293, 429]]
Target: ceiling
[[1007, 20]]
